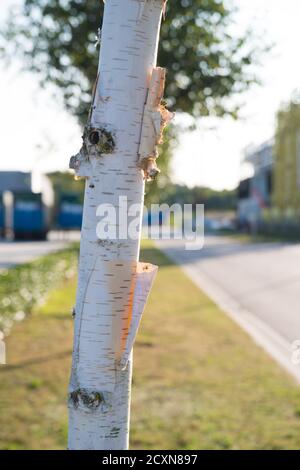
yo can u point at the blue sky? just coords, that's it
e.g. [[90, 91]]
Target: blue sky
[[47, 136]]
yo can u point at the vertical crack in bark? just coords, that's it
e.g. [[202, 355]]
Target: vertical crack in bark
[[76, 353], [97, 141]]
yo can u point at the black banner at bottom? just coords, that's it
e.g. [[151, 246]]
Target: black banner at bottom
[[154, 458]]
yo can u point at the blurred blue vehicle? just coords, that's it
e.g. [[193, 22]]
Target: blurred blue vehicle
[[2, 217], [29, 219], [69, 214]]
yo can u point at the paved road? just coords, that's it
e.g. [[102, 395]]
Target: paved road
[[12, 253], [258, 285]]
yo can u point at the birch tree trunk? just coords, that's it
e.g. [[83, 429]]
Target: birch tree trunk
[[118, 154]]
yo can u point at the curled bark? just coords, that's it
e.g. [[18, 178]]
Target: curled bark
[[155, 119]]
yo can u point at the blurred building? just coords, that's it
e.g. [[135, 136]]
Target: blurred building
[[286, 196], [255, 192]]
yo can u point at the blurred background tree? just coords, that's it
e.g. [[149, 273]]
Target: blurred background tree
[[217, 201], [207, 64]]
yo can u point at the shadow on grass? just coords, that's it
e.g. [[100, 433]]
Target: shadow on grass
[[38, 360], [154, 256]]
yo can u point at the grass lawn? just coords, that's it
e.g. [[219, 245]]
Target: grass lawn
[[199, 381]]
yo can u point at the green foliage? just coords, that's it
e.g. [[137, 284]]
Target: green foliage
[[213, 200], [22, 287], [64, 182], [205, 63]]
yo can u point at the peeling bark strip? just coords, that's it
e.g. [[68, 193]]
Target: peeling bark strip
[[126, 320], [155, 119], [112, 284]]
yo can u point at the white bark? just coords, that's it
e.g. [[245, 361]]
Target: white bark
[[113, 286]]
